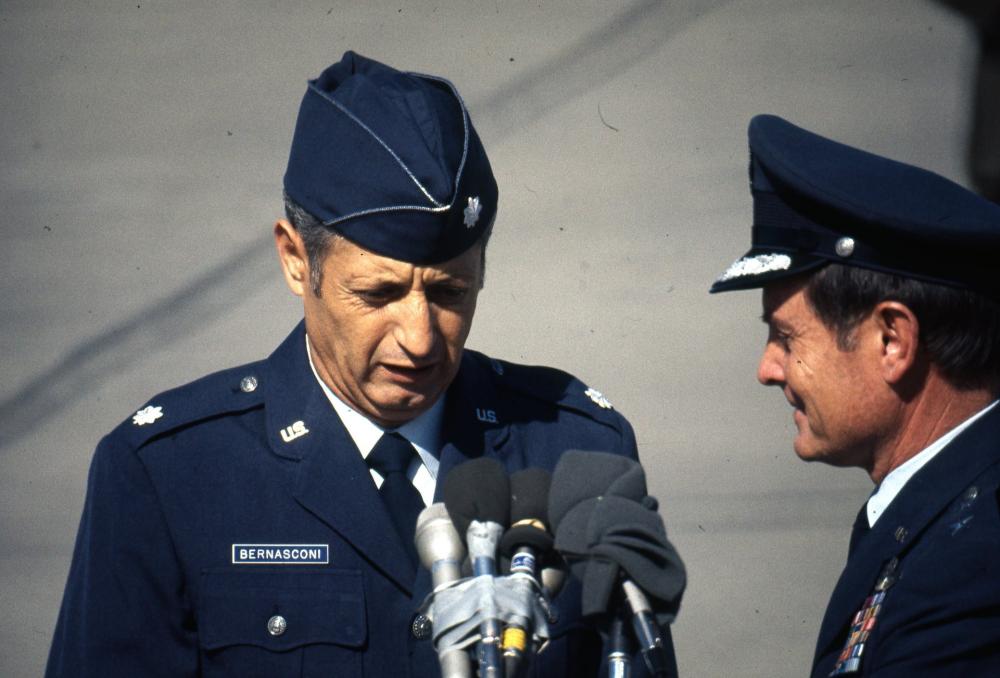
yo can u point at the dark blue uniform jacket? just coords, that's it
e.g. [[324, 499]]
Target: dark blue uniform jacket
[[935, 553], [153, 589]]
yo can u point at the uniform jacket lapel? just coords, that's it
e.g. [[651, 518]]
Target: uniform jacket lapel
[[924, 498], [474, 425], [333, 482]]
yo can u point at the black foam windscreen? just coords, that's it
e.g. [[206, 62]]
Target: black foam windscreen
[[529, 501], [478, 489], [604, 536], [605, 525], [582, 475]]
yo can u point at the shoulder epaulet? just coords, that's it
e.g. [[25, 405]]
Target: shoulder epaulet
[[551, 385], [220, 393]]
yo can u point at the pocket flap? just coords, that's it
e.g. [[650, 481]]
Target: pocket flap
[[281, 610]]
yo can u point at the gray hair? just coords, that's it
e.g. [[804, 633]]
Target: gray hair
[[316, 238]]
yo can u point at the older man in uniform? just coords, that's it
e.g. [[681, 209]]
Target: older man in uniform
[[880, 294], [242, 525]]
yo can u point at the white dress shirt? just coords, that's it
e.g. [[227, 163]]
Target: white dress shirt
[[424, 433], [899, 476]]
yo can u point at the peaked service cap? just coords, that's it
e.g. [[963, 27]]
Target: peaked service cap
[[817, 201], [390, 160]]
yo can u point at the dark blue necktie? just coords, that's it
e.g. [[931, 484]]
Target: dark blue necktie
[[391, 457]]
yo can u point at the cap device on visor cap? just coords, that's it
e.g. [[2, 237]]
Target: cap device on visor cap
[[390, 160], [817, 201]]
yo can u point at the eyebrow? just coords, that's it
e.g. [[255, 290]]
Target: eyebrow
[[461, 275]]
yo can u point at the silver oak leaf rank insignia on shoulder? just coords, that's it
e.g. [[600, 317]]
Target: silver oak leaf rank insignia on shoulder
[[147, 415], [598, 398]]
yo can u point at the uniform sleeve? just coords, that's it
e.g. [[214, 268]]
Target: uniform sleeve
[[124, 611], [629, 447]]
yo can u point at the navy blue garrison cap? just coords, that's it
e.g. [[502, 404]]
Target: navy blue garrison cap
[[816, 201], [390, 160]]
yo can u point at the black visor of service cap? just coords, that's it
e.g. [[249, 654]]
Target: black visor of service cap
[[817, 201], [391, 161]]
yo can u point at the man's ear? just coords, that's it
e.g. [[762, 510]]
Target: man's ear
[[899, 331], [292, 255]]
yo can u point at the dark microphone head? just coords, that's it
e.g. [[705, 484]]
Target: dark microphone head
[[584, 475], [478, 489], [529, 512]]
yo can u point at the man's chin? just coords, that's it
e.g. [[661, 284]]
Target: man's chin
[[808, 450], [400, 405]]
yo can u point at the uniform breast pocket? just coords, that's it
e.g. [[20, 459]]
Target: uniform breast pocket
[[281, 623]]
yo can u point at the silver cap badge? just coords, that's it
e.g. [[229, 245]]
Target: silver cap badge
[[472, 212]]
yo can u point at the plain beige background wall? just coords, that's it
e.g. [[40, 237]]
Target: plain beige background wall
[[142, 153]]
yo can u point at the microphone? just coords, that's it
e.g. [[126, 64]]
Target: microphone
[[477, 496], [553, 577], [525, 544], [441, 551], [606, 525]]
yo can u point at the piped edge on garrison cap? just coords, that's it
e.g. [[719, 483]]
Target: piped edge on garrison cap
[[817, 201], [391, 161]]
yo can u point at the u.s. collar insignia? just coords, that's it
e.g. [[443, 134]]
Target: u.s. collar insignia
[[296, 430], [472, 212], [147, 415], [598, 398]]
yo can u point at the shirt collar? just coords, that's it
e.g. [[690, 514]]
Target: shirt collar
[[893, 483]]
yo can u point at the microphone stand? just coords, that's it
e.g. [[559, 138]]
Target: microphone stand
[[482, 538], [619, 652]]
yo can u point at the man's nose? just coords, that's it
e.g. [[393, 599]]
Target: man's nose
[[769, 370], [416, 332]]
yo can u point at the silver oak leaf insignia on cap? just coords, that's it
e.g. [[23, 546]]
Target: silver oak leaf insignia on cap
[[472, 212], [147, 415], [598, 398]]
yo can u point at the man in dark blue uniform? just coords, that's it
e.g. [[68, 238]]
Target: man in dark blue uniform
[[234, 526], [880, 293]]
